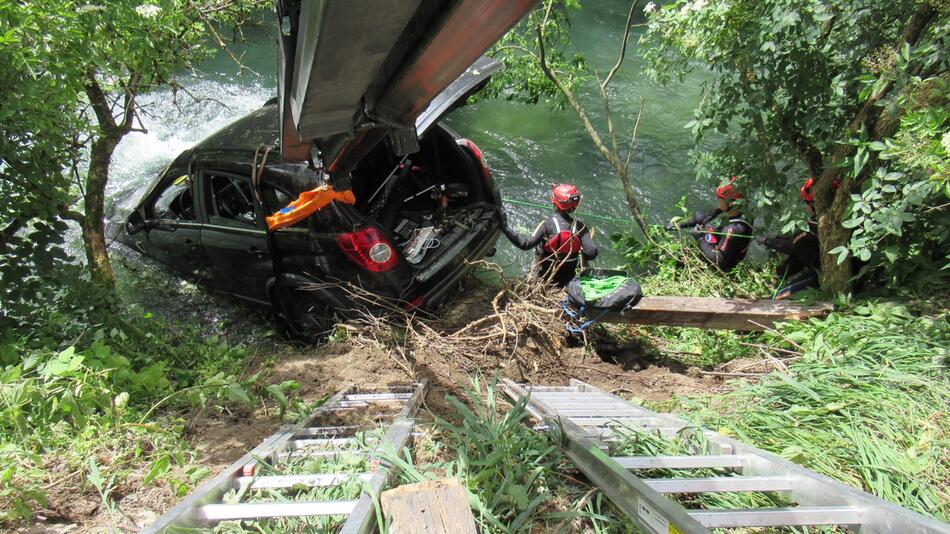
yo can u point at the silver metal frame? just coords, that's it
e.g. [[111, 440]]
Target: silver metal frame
[[203, 506], [586, 416]]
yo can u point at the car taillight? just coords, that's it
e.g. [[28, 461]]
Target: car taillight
[[477, 152], [413, 304], [369, 249]]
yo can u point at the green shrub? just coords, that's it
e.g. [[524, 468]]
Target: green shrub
[[865, 403]]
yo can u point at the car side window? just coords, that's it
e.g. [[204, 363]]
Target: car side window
[[274, 198], [231, 201], [176, 202]]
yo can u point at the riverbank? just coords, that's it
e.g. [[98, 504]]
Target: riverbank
[[855, 396]]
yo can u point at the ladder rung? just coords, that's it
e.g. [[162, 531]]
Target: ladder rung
[[606, 412], [613, 431], [289, 481], [598, 394], [778, 517], [720, 484], [598, 406], [224, 512], [636, 421], [327, 431], [549, 389], [680, 462], [315, 443], [597, 400], [307, 453], [376, 397]]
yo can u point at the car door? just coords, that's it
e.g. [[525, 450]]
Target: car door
[[234, 237], [174, 229]]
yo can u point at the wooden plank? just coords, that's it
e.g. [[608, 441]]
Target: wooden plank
[[434, 507], [704, 312]]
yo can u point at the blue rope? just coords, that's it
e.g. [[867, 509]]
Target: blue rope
[[576, 316], [565, 305]]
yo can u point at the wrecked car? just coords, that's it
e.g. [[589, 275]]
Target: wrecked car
[[415, 222], [394, 205]]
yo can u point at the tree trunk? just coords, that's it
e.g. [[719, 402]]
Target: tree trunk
[[93, 229], [835, 277], [831, 205]]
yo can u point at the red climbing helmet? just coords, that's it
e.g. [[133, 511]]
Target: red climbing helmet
[[565, 197], [729, 191], [806, 193]]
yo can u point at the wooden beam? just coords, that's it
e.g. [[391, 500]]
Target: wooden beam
[[703, 312], [434, 507]]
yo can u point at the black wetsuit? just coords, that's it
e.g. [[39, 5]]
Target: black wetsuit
[[800, 270], [542, 239], [725, 245]]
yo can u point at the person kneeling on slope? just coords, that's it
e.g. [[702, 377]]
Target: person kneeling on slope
[[723, 235], [800, 270], [559, 241]]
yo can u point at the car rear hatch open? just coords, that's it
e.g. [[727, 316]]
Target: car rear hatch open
[[353, 72]]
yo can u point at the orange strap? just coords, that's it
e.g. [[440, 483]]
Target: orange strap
[[308, 203]]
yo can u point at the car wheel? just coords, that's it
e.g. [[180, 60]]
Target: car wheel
[[302, 315]]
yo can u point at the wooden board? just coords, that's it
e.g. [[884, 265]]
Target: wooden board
[[702, 312], [434, 507]]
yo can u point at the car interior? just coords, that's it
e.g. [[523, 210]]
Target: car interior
[[231, 201], [176, 202], [424, 199]]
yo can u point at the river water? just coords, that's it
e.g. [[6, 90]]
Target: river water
[[528, 148]]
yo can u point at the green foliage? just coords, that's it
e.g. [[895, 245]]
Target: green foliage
[[81, 372], [72, 72], [522, 79], [671, 265], [863, 403], [637, 442], [514, 475], [353, 460], [790, 79], [900, 220], [96, 376]]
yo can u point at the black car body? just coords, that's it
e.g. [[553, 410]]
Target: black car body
[[199, 218], [359, 96]]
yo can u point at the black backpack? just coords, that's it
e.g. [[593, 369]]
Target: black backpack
[[626, 296]]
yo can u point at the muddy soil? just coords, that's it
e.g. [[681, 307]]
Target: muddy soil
[[219, 436]]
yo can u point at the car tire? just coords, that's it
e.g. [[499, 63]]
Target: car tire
[[301, 315]]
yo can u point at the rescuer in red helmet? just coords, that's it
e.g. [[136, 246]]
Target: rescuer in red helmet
[[559, 241], [723, 235], [800, 270]]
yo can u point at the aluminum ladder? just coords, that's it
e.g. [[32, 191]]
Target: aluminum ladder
[[204, 507], [587, 417]]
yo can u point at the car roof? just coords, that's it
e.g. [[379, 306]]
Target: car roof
[[250, 132]]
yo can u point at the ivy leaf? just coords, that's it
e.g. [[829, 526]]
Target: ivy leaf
[[860, 159], [852, 223], [159, 468], [891, 253], [841, 252], [237, 393], [277, 393]]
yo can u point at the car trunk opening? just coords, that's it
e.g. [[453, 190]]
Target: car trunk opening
[[434, 202]]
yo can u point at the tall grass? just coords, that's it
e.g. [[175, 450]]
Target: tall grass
[[866, 403], [671, 265], [517, 479]]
